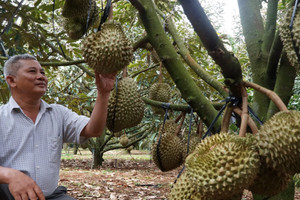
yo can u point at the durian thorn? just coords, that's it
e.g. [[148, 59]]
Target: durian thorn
[[244, 116], [272, 95], [178, 128], [226, 118], [251, 123]]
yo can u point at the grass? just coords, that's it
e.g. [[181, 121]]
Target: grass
[[67, 154]]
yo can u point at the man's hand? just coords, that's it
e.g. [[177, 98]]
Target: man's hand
[[22, 187], [105, 82]]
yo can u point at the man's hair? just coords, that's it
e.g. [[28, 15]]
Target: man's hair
[[12, 65]]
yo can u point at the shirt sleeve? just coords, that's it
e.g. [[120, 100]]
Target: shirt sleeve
[[73, 124]]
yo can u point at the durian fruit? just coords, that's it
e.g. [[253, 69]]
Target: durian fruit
[[269, 181], [77, 8], [278, 141], [124, 140], [223, 165], [184, 189], [167, 150], [194, 141], [107, 51], [160, 92], [126, 108], [286, 38], [76, 27]]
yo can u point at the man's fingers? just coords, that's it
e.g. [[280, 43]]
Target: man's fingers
[[39, 193], [24, 196], [32, 195]]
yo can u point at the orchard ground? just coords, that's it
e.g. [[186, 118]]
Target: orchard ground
[[122, 176]]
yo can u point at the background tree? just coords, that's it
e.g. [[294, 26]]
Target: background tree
[[199, 62]]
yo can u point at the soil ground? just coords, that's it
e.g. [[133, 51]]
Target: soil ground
[[122, 176]]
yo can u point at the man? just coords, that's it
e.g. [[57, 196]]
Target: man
[[32, 132]]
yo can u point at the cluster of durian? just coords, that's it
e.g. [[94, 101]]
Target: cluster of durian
[[126, 107], [223, 165], [220, 167], [167, 150], [75, 13], [287, 37], [278, 142], [160, 92], [108, 50]]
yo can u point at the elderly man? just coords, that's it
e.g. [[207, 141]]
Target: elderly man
[[32, 132]]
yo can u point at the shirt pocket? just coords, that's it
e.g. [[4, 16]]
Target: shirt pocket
[[54, 147]]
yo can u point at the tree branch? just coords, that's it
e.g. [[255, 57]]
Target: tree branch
[[229, 64], [172, 62], [274, 57], [60, 53], [270, 26], [184, 52]]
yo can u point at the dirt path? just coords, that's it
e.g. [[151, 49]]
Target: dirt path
[[128, 179], [116, 180]]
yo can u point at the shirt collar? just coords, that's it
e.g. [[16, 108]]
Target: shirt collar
[[14, 105]]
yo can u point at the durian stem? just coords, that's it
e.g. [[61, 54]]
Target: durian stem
[[244, 116], [251, 123], [200, 128], [179, 117], [160, 79], [110, 15], [226, 119], [124, 72], [177, 131], [272, 95]]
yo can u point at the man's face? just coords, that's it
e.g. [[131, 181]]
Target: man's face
[[30, 78]]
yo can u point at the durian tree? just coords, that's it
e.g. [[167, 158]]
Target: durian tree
[[153, 26]]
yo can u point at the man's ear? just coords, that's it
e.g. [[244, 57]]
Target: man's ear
[[11, 80]]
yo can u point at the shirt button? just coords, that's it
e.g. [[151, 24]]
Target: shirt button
[[37, 167], [36, 146]]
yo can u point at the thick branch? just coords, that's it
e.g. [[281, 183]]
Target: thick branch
[[172, 62], [176, 107], [230, 66], [253, 28], [270, 27], [284, 84], [274, 57]]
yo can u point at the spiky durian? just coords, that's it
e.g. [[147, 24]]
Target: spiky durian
[[107, 51], [126, 108], [78, 8], [278, 141], [223, 165], [76, 27], [192, 144], [288, 37], [184, 189], [269, 181], [160, 92], [167, 150]]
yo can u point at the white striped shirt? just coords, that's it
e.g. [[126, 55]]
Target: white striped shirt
[[35, 148]]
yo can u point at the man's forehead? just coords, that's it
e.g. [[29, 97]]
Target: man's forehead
[[30, 63]]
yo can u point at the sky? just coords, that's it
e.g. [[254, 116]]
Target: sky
[[230, 13]]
